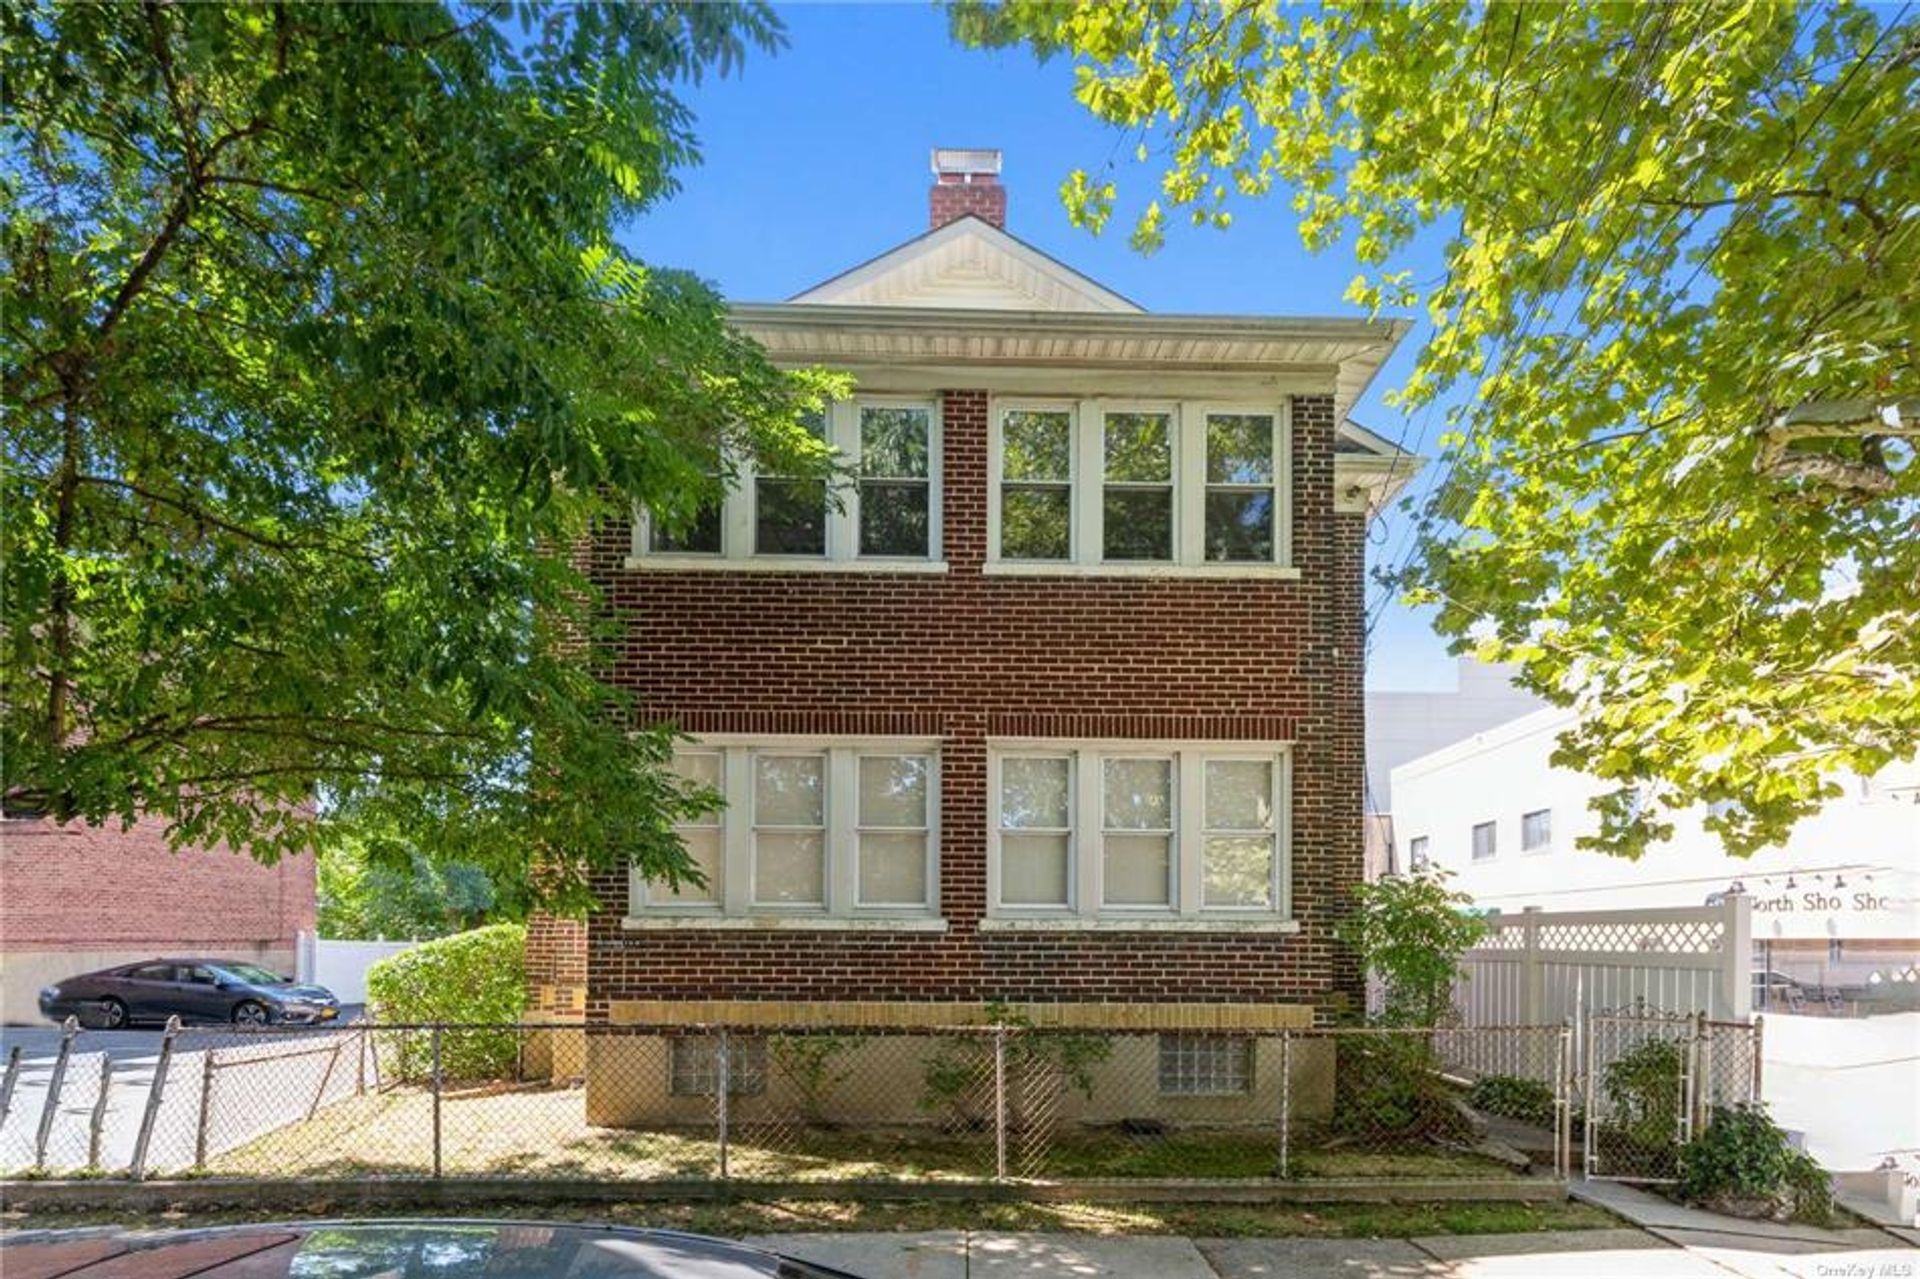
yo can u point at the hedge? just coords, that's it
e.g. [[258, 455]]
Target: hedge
[[477, 976]]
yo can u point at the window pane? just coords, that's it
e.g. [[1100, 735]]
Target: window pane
[[893, 518], [701, 536], [1239, 794], [1033, 870], [1536, 829], [790, 517], [1139, 794], [1036, 446], [703, 849], [788, 790], [1137, 524], [695, 1066], [893, 442], [788, 867], [1483, 836], [893, 870], [1139, 448], [1239, 870], [1205, 1065], [1239, 448], [1033, 792], [1036, 523], [1136, 870], [1417, 853], [893, 790], [1239, 525], [700, 768]]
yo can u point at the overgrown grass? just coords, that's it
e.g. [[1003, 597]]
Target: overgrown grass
[[1341, 1220]]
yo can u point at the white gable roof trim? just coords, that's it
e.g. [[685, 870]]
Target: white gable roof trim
[[967, 263]]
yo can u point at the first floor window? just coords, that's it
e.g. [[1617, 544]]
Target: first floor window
[[1536, 830], [1483, 841], [1205, 1065], [1140, 830], [789, 830], [837, 827], [1036, 830], [1417, 853]]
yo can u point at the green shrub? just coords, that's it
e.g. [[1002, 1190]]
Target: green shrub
[[472, 977], [1644, 1100], [1527, 1100], [1743, 1161], [1389, 1087], [1411, 930]]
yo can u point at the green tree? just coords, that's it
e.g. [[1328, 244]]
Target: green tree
[[1673, 340], [1410, 930], [378, 886], [319, 353]]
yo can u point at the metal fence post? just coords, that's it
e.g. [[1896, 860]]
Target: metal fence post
[[99, 1117], [1563, 1090], [1702, 1100], [436, 1101], [320, 1094], [1000, 1103], [137, 1169], [206, 1111], [1286, 1100], [56, 1081], [722, 1085], [8, 1082]]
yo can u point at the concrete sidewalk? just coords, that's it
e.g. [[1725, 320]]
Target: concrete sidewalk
[[1624, 1253]]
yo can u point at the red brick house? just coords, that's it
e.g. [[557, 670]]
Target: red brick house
[[74, 898], [1058, 707]]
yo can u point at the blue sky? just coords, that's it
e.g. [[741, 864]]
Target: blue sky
[[816, 159]]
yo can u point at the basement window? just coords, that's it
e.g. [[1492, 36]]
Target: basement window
[[695, 1066], [1205, 1065]]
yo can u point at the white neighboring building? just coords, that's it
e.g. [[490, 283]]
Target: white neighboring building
[[1833, 907], [1406, 725]]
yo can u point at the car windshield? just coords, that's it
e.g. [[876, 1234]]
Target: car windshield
[[253, 973]]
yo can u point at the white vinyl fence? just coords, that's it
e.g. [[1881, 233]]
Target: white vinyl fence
[[341, 966], [1536, 968]]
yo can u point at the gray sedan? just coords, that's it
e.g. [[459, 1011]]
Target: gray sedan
[[202, 990]]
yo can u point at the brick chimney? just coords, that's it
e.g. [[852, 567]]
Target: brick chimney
[[966, 181]]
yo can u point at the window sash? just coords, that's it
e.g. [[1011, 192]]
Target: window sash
[[1485, 841], [1087, 834], [1091, 540], [744, 834], [1536, 830]]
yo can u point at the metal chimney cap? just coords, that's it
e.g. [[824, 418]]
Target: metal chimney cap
[[967, 162]]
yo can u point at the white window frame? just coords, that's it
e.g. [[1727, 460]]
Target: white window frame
[[651, 905], [1176, 438], [1418, 856], [925, 829], [1086, 859], [1087, 486], [1545, 845], [1493, 842], [737, 513], [1173, 835]]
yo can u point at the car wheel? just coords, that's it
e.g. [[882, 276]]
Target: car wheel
[[249, 1013], [113, 1014]]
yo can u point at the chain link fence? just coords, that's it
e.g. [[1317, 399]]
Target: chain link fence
[[777, 1104], [1652, 1080]]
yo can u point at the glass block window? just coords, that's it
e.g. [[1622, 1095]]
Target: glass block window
[[1205, 1065], [695, 1066]]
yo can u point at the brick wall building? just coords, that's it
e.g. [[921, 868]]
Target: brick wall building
[[1060, 706], [75, 898]]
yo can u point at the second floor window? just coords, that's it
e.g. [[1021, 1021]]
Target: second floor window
[[1483, 841], [883, 507], [1536, 830], [1097, 484], [790, 515], [1417, 859]]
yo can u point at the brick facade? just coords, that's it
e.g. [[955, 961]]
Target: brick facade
[[951, 198], [967, 656], [76, 897]]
